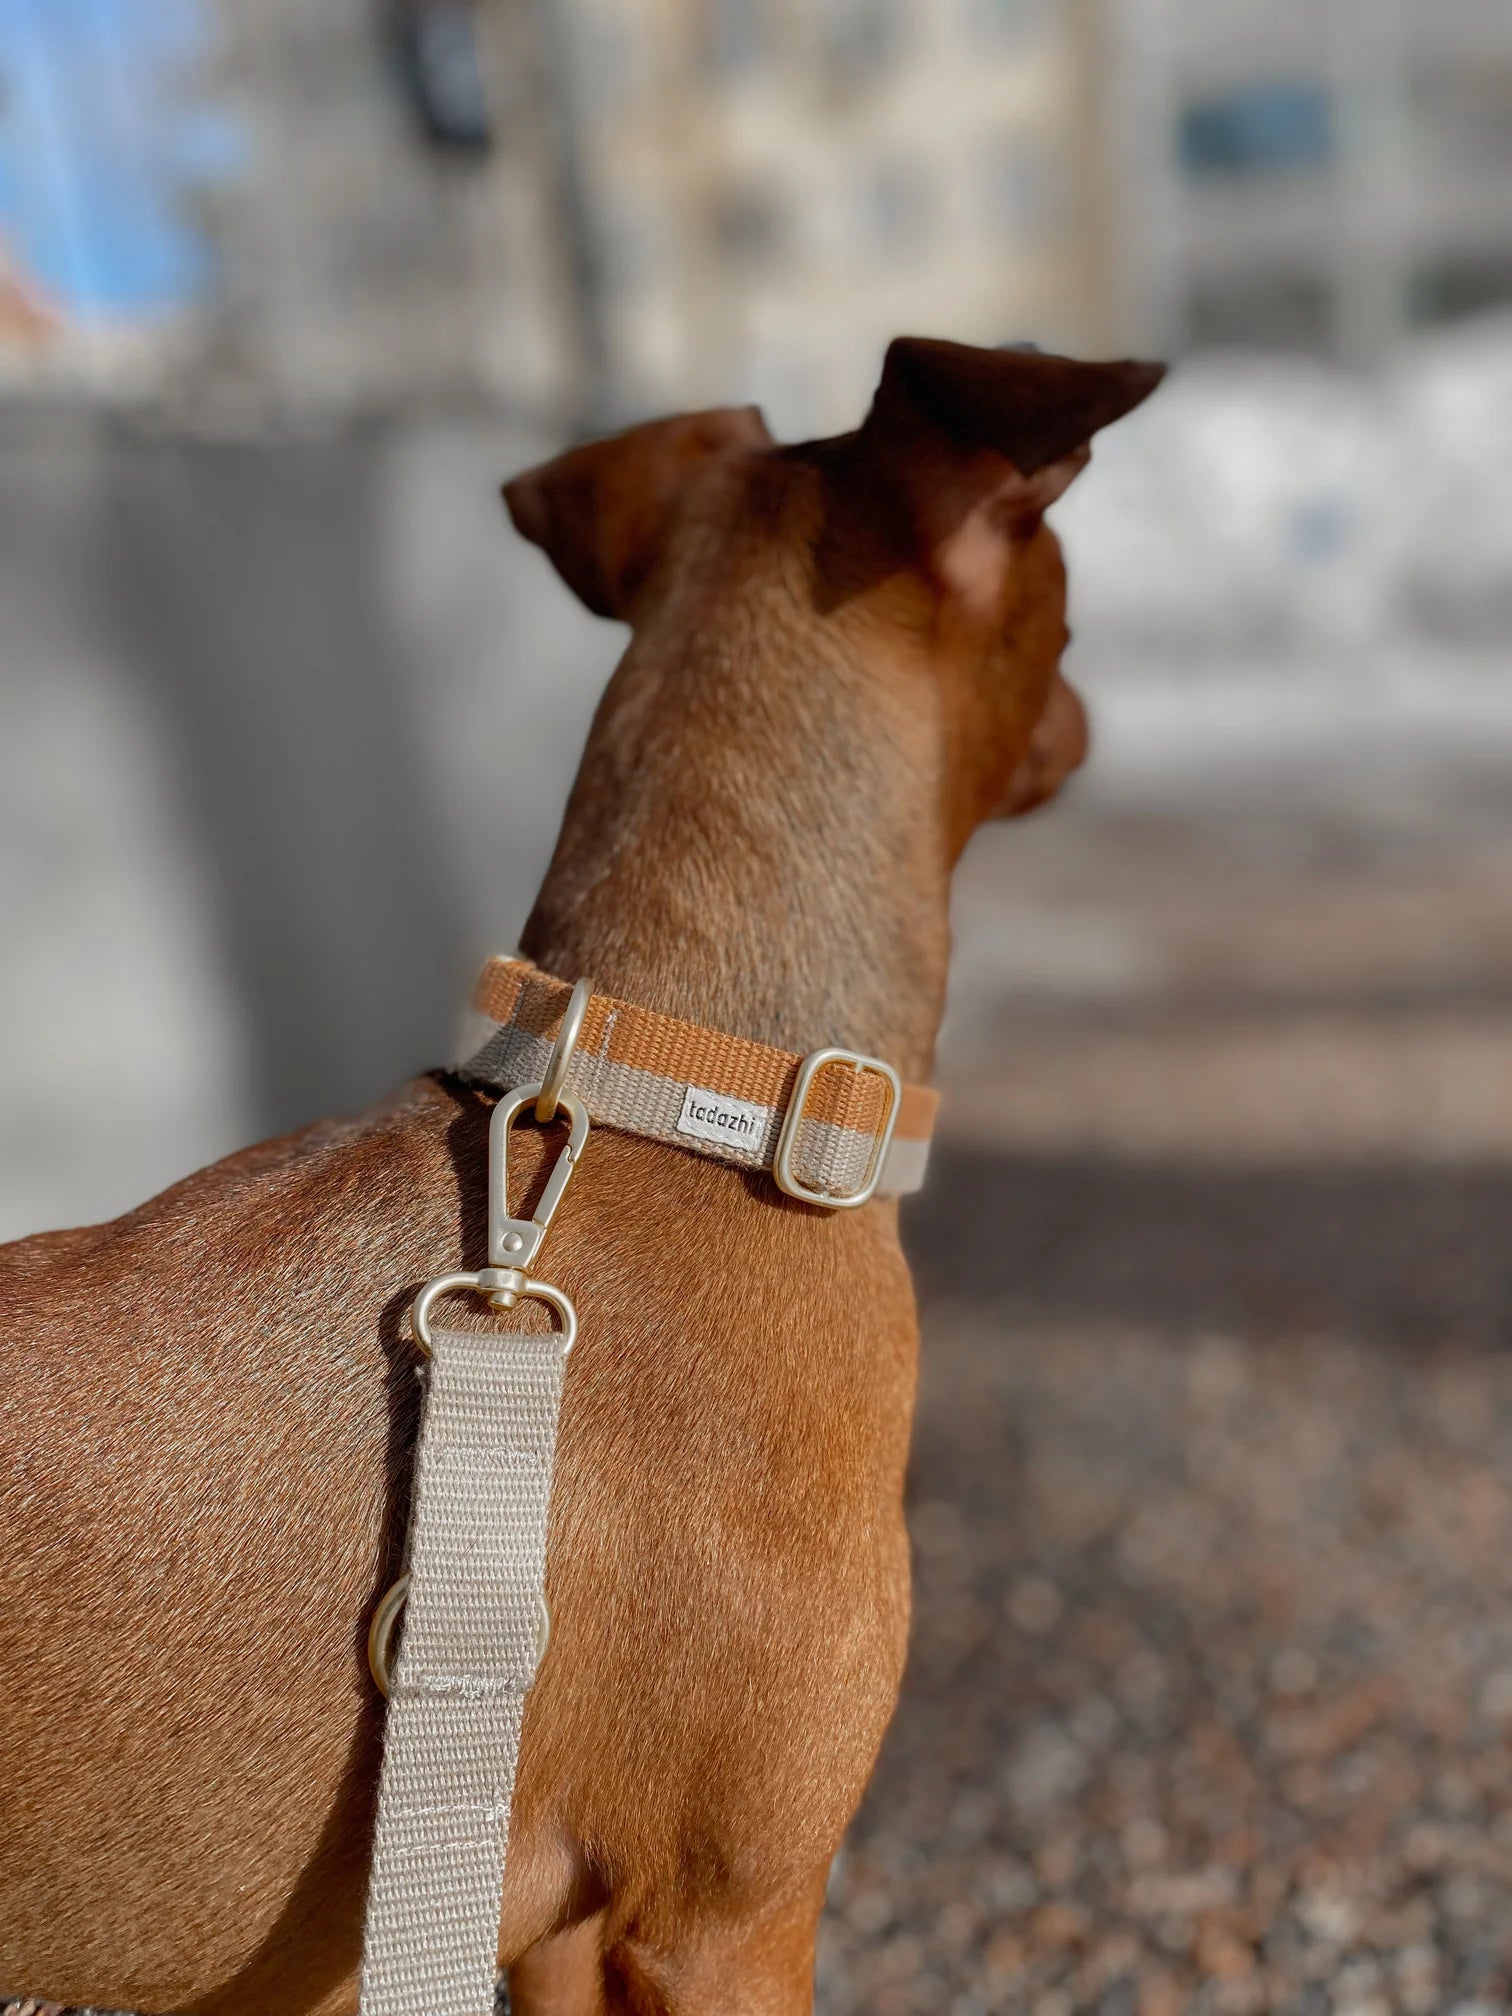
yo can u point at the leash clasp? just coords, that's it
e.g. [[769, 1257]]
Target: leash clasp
[[513, 1243]]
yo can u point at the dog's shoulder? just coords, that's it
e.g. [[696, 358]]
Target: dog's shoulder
[[261, 1212]]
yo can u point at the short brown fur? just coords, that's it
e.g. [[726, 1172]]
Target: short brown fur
[[844, 657]]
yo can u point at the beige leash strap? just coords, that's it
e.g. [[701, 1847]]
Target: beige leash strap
[[472, 1636], [475, 1619]]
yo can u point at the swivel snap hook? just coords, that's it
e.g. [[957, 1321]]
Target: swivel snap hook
[[513, 1243]]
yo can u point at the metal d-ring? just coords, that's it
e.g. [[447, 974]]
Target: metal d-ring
[[494, 1282], [555, 1075], [380, 1642]]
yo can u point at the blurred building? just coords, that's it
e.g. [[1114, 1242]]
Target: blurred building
[[387, 246], [253, 213], [597, 207], [638, 203], [1317, 174], [775, 190]]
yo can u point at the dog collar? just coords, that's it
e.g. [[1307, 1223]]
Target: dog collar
[[833, 1128]]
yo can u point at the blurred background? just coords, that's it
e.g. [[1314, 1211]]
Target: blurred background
[[1213, 1674]]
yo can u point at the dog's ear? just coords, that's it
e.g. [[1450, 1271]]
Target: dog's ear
[[599, 511], [975, 445]]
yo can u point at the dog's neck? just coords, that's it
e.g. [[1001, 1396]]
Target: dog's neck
[[758, 846]]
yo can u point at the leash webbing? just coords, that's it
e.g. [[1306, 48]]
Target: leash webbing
[[469, 1652]]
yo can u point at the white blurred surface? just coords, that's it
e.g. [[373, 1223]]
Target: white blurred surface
[[121, 1052]]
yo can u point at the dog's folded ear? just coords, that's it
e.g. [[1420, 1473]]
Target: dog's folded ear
[[969, 441], [599, 512]]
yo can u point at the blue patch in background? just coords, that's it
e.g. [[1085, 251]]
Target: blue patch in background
[[104, 144], [1259, 129]]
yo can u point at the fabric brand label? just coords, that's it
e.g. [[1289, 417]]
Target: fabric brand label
[[737, 1123]]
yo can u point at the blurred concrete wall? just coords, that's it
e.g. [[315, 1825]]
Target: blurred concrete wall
[[288, 732]]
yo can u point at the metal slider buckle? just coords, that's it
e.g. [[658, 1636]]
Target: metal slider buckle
[[787, 1141]]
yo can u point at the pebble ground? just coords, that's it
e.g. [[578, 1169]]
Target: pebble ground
[[1210, 1700]]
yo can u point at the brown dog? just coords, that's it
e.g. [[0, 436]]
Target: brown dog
[[844, 657]]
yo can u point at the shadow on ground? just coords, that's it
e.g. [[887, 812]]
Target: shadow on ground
[[1416, 1254]]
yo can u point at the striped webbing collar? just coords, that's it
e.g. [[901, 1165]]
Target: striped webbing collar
[[834, 1128]]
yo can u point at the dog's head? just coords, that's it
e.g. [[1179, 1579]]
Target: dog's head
[[915, 549]]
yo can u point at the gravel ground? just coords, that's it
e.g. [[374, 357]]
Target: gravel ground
[[1211, 1689], [1210, 1700]]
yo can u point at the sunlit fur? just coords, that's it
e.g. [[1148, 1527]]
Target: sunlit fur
[[841, 656]]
